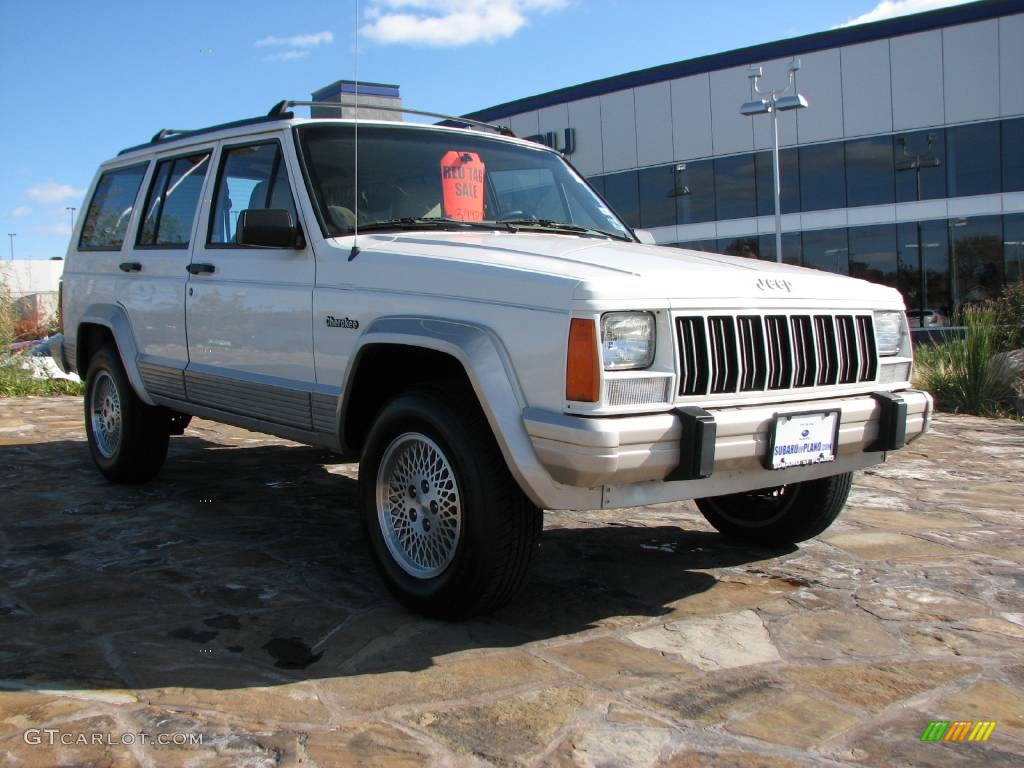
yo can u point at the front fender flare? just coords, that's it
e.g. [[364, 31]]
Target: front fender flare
[[492, 376]]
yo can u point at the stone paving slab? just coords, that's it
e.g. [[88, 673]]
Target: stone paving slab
[[233, 598]]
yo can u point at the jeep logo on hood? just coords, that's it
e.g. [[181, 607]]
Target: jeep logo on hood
[[765, 284]]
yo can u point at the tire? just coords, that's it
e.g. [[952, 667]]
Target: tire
[[786, 514], [127, 438], [451, 531]]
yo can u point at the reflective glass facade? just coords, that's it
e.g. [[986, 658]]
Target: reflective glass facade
[[949, 263], [957, 161], [938, 265]]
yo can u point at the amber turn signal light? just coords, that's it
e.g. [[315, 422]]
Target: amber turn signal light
[[582, 376]]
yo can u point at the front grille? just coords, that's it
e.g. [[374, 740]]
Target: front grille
[[726, 354]]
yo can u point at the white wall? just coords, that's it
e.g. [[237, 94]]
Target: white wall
[[28, 276]]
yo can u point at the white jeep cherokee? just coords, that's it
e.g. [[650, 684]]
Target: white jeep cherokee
[[467, 317]]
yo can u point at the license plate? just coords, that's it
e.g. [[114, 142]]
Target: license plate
[[803, 438]]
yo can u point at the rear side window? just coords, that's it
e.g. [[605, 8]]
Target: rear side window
[[172, 200], [252, 176], [110, 209]]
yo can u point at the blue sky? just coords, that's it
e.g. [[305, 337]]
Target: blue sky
[[81, 80]]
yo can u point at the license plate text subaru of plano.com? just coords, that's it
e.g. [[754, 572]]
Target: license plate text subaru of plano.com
[[804, 438]]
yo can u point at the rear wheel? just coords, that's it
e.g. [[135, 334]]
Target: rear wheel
[[127, 438], [451, 531], [785, 514]]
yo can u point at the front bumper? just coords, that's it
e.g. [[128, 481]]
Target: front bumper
[[617, 451]]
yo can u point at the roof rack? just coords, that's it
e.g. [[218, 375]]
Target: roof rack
[[280, 111], [168, 134], [281, 108]]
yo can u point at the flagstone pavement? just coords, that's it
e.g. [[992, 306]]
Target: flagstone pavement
[[233, 600]]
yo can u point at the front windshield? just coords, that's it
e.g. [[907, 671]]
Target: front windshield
[[416, 177]]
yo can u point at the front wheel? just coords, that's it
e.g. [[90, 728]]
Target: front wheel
[[451, 531], [785, 514]]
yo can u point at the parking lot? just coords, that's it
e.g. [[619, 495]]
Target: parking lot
[[233, 598]]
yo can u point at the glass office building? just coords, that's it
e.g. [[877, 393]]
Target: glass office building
[[907, 169]]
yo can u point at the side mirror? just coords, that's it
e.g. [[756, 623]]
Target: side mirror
[[644, 237], [267, 228]]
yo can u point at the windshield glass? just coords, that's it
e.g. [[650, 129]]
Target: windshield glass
[[414, 177]]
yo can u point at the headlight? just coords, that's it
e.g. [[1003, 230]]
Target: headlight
[[888, 332], [627, 340]]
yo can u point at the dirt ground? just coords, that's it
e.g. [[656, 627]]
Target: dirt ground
[[228, 613]]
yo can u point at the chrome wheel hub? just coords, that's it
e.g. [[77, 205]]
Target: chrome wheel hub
[[105, 413], [419, 507]]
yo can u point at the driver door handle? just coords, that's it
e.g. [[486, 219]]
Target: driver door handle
[[200, 269]]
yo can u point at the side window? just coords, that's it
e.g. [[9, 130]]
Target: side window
[[252, 176], [110, 209], [172, 200]]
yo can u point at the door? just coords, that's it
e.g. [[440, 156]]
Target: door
[[153, 276], [249, 309]]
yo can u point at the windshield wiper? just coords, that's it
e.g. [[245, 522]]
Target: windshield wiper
[[409, 222], [561, 226]]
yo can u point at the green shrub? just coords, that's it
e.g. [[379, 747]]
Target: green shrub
[[15, 381], [962, 374], [7, 318], [1009, 309]]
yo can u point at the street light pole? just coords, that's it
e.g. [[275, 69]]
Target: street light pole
[[915, 163], [71, 210], [773, 102], [777, 184], [12, 235]]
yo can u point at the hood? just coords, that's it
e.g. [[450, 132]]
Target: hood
[[609, 270]]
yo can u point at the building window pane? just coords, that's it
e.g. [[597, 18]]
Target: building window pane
[[822, 177], [620, 190], [789, 169], [972, 159], [873, 253], [869, 171], [708, 246], [826, 249], [792, 248], [695, 191], [735, 190], [1013, 248], [748, 247], [1013, 155], [976, 256], [926, 256], [920, 158], [657, 197]]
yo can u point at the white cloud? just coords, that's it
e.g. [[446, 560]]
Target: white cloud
[[287, 55], [19, 212], [297, 41], [888, 9], [450, 23], [55, 230], [52, 192]]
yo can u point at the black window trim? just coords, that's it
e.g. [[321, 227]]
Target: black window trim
[[92, 249], [156, 169], [224, 149]]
